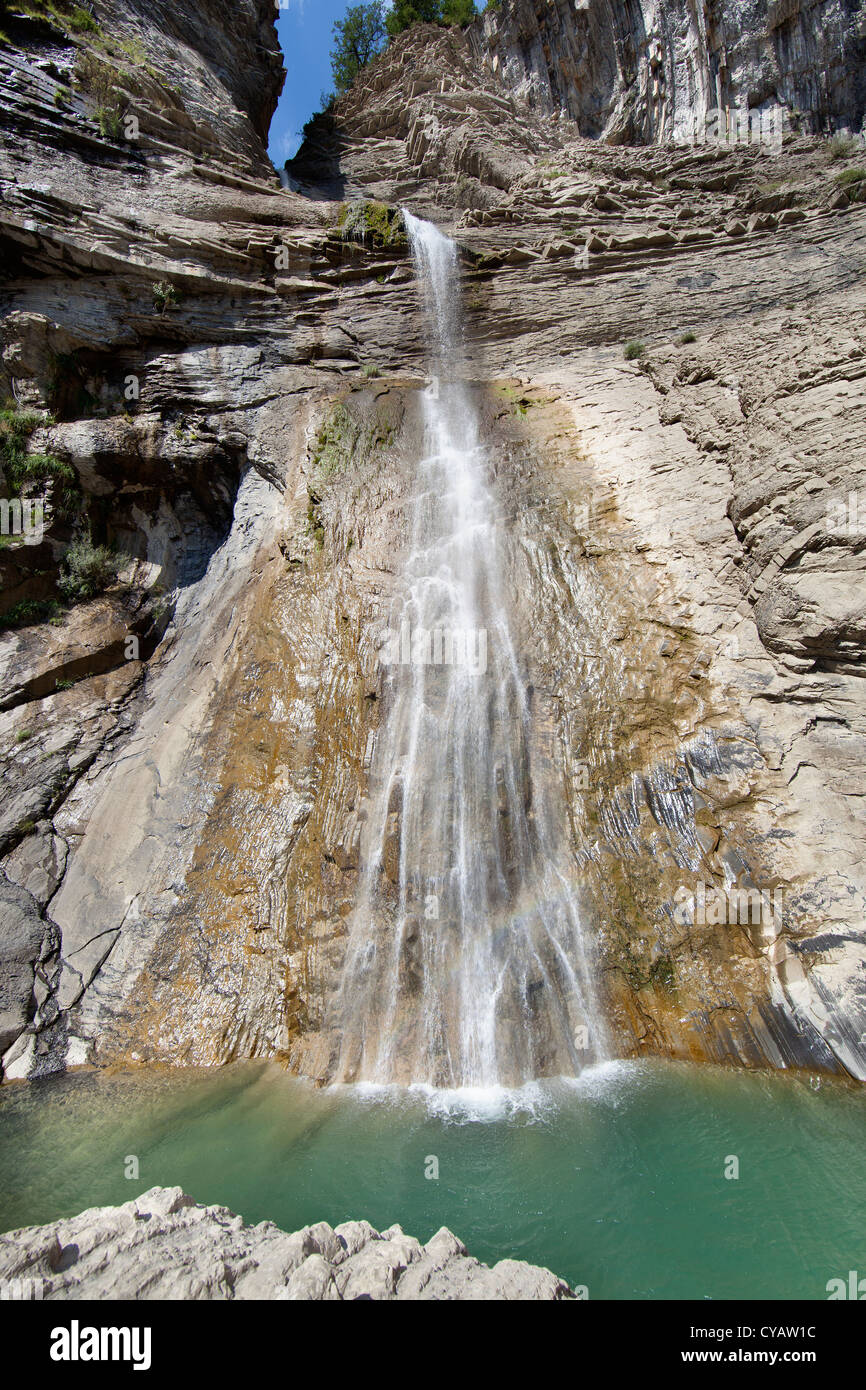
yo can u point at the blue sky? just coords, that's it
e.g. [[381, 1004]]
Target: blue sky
[[304, 27]]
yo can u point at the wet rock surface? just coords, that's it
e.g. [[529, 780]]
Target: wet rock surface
[[164, 1246]]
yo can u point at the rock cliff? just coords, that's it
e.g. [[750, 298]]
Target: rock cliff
[[182, 816], [164, 1246], [648, 69]]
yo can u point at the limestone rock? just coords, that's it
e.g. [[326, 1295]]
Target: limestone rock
[[646, 72], [25, 943], [163, 1246]]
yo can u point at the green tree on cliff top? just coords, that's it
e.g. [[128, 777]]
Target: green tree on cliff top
[[404, 13], [362, 34], [358, 39], [458, 11]]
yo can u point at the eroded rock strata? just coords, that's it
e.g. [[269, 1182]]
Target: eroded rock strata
[[182, 820], [164, 1246]]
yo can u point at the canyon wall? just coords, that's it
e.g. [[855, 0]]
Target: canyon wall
[[646, 70], [182, 820]]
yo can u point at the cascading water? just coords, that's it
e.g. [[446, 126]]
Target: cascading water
[[465, 963]]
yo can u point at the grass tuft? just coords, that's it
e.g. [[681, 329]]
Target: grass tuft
[[853, 182]]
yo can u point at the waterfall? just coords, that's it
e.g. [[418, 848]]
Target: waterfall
[[465, 964]]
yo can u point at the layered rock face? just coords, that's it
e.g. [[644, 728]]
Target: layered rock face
[[138, 213], [689, 587], [164, 1246], [183, 820]]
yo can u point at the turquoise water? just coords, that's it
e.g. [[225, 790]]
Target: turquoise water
[[615, 1182]]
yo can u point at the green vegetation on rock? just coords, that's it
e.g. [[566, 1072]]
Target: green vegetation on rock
[[348, 438], [165, 296], [374, 223], [16, 427], [841, 146], [26, 473], [404, 13], [516, 400], [28, 612], [38, 469], [335, 442], [87, 569], [341, 436], [853, 182], [62, 13], [98, 81]]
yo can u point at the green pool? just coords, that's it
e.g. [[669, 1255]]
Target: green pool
[[616, 1182]]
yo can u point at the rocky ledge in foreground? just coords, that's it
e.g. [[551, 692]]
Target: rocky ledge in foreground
[[164, 1245]]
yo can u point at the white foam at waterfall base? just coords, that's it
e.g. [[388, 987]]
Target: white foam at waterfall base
[[460, 1104], [609, 1082]]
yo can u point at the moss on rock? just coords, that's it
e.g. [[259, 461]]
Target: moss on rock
[[372, 223]]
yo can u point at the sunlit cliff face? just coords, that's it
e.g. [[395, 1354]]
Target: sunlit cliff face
[[232, 835]]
